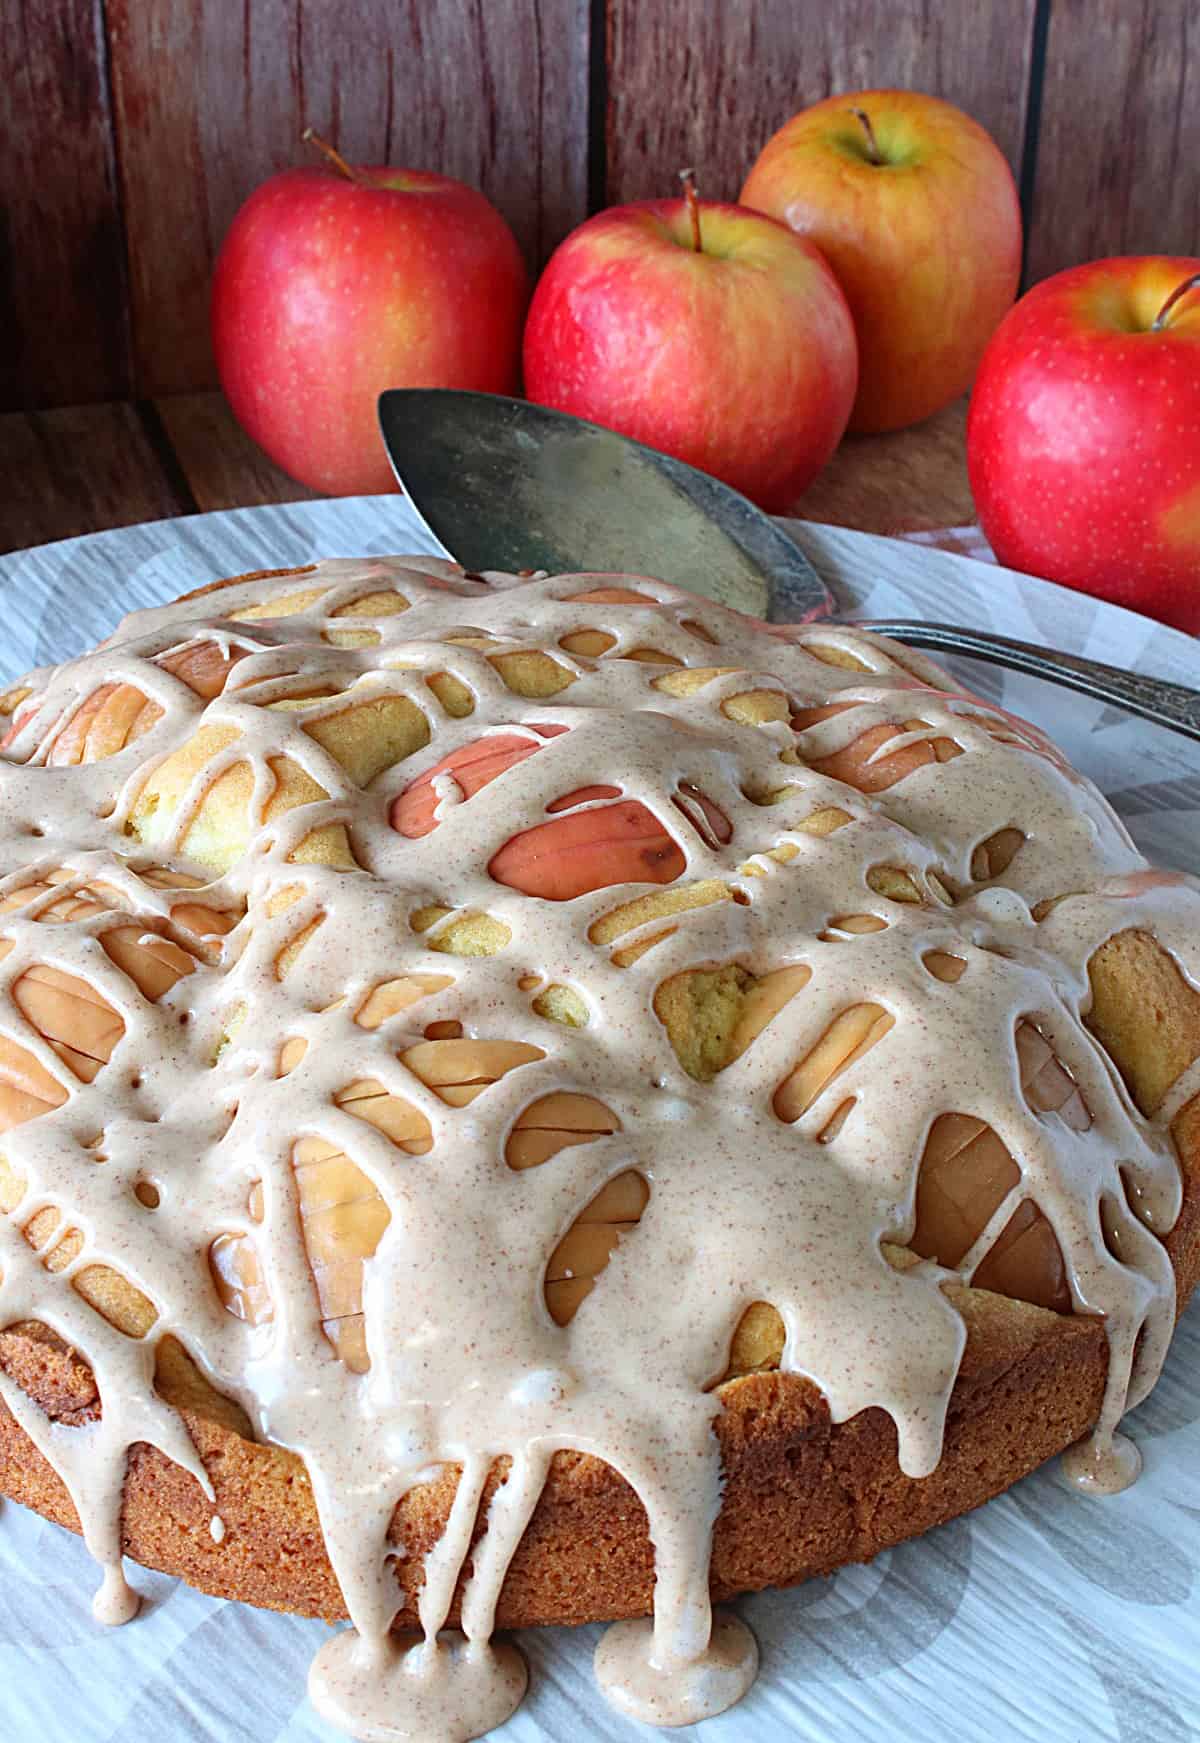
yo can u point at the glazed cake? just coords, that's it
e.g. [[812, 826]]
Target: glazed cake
[[537, 1100]]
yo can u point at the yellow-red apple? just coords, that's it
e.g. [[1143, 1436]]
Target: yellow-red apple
[[914, 207], [1083, 439], [335, 284], [704, 330]]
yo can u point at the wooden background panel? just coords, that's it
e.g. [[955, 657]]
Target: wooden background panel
[[210, 99], [62, 295], [80, 469], [706, 82], [220, 465], [1118, 162], [133, 129]]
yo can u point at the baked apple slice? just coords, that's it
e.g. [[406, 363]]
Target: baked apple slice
[[472, 767], [584, 850], [966, 1174], [342, 1215]]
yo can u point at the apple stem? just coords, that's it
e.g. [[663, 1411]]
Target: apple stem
[[874, 155], [1181, 290], [688, 178], [335, 157]]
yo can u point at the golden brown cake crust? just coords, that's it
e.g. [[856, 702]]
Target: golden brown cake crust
[[802, 1495]]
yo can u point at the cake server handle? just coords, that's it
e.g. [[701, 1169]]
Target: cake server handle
[[1175, 706]]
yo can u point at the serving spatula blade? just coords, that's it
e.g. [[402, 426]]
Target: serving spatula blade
[[505, 484], [544, 488]]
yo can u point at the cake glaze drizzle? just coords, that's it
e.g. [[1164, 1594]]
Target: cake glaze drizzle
[[467, 1367]]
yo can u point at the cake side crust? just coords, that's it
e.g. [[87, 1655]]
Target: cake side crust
[[803, 1495]]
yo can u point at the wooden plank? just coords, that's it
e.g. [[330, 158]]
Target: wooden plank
[[909, 481], [707, 85], [1117, 149], [211, 98], [61, 249], [222, 466], [80, 469], [83, 469]]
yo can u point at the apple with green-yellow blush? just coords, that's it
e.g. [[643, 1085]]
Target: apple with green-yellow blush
[[334, 284], [914, 206], [1083, 437]]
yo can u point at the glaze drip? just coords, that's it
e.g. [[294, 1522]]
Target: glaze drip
[[373, 824]]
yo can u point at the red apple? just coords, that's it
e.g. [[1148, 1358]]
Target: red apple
[[332, 285], [703, 330], [1083, 439], [914, 207]]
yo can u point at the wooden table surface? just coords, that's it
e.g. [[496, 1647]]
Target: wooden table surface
[[81, 469]]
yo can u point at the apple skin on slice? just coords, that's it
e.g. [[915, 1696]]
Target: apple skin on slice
[[577, 853], [581, 851], [473, 766], [116, 715], [864, 762]]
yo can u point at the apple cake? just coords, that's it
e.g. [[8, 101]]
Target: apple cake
[[540, 1099]]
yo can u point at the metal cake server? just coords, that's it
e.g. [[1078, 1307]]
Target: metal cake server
[[504, 484]]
